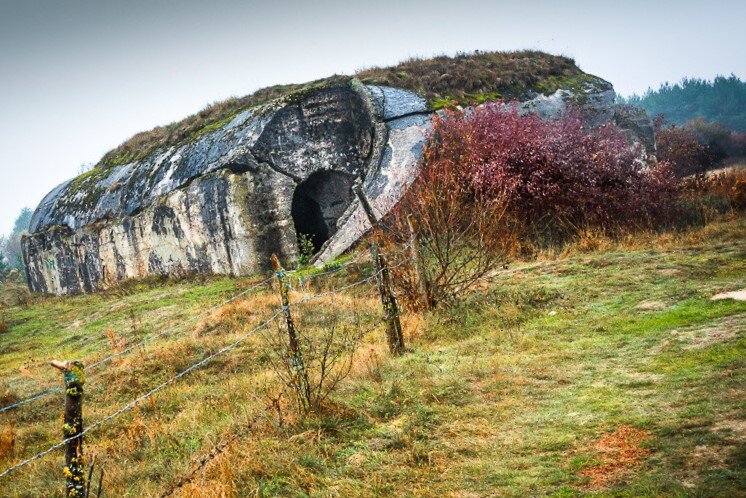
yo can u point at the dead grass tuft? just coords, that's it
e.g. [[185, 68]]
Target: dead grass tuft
[[618, 453], [7, 441], [117, 343], [8, 397]]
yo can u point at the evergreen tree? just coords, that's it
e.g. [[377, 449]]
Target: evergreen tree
[[721, 100], [12, 246], [4, 267]]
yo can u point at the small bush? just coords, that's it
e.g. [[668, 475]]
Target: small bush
[[7, 441], [307, 250], [680, 147], [553, 170], [492, 175], [464, 233], [698, 145], [324, 359], [723, 142]]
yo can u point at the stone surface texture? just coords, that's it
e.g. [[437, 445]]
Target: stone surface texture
[[224, 202]]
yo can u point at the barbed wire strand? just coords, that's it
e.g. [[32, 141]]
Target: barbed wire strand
[[140, 398], [220, 448], [138, 344], [173, 379], [165, 332]]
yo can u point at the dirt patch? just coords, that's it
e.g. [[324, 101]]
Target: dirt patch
[[733, 430], [703, 336], [652, 305], [724, 330], [669, 272], [618, 453], [739, 295]]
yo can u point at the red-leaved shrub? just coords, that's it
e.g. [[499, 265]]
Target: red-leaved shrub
[[681, 147], [698, 145], [463, 234], [492, 175], [553, 169]]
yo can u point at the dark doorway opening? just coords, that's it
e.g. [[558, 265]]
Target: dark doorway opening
[[318, 202]]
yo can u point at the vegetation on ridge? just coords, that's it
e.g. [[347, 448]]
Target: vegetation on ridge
[[465, 78], [473, 78]]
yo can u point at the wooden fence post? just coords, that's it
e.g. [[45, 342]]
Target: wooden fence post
[[73, 427], [417, 263], [296, 358], [394, 333]]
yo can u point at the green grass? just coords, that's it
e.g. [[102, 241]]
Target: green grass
[[502, 395]]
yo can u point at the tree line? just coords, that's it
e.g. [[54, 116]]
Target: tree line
[[10, 245], [721, 100]]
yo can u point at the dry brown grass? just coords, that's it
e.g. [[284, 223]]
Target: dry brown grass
[[233, 316], [7, 441], [117, 343], [484, 383], [619, 453], [729, 184], [588, 240], [505, 74]]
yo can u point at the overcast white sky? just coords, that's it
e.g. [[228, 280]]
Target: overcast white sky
[[78, 77]]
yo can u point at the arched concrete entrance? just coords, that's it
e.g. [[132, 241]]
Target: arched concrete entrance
[[318, 202]]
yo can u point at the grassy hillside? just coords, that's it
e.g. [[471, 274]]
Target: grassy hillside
[[606, 370]]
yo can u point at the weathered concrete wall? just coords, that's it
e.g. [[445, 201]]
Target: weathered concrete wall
[[208, 227], [223, 203]]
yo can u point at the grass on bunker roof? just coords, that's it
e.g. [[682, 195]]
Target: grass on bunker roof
[[466, 78]]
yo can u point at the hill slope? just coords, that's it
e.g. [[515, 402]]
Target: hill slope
[[609, 371]]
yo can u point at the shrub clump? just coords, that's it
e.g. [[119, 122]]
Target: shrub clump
[[697, 146], [553, 170], [493, 179]]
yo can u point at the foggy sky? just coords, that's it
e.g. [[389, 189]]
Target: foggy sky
[[79, 77]]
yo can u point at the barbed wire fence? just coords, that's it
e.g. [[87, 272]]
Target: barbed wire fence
[[168, 330], [387, 317]]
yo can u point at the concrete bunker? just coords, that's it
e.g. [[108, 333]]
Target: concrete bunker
[[318, 202]]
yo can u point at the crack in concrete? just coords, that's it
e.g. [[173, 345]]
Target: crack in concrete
[[413, 113]]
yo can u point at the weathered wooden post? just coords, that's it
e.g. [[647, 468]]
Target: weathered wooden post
[[73, 427], [296, 358], [419, 268], [385, 288]]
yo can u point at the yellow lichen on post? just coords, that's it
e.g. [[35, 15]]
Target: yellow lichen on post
[[72, 427]]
